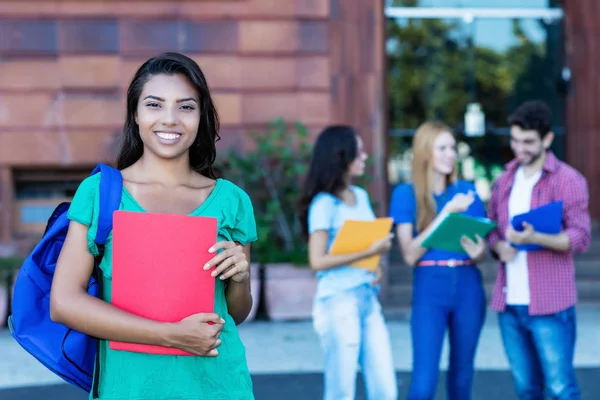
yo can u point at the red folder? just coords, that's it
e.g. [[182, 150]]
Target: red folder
[[158, 272]]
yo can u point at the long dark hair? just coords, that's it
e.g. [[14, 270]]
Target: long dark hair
[[203, 151], [333, 152]]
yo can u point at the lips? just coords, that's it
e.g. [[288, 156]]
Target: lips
[[166, 137]]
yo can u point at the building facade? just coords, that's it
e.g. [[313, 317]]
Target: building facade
[[64, 69]]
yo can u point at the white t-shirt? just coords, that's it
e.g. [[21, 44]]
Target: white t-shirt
[[517, 274]]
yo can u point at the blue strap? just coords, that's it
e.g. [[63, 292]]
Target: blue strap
[[111, 188]]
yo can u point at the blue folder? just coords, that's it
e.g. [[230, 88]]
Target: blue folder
[[544, 219]]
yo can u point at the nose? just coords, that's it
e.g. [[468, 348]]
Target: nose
[[518, 148], [169, 116]]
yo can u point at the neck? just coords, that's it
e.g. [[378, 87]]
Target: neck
[[347, 181], [168, 172], [438, 182], [346, 186], [535, 166]]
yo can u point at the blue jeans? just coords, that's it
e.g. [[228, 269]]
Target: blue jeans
[[352, 332], [540, 349], [445, 298]]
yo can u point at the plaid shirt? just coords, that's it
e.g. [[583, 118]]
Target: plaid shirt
[[551, 274]]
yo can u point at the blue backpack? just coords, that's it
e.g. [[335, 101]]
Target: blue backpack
[[68, 353]]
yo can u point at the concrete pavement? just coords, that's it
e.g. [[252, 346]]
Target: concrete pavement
[[292, 348]]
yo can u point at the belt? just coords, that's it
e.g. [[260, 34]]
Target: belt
[[444, 263]]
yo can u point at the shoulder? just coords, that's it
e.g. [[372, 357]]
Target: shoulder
[[92, 183], [463, 186], [360, 191], [87, 191], [323, 199], [570, 173], [569, 180], [404, 191], [230, 190]]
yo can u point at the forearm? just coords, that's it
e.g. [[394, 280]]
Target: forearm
[[557, 242], [497, 245], [415, 250], [95, 317], [239, 300], [328, 261], [482, 256]]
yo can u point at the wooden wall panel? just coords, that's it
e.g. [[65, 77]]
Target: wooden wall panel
[[358, 95], [582, 32]]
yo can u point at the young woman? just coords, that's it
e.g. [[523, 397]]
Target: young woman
[[447, 286], [166, 162], [346, 314]]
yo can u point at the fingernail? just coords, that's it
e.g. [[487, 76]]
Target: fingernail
[[211, 250], [206, 266], [222, 277], [222, 321], [213, 274]]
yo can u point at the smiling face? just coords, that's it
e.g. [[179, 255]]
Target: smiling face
[[357, 167], [444, 153], [527, 145], [168, 115]]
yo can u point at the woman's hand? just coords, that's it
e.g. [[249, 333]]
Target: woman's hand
[[197, 334], [460, 202], [381, 245], [475, 250], [230, 263], [378, 276]]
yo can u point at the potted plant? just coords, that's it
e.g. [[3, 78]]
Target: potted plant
[[289, 284], [272, 175], [235, 168]]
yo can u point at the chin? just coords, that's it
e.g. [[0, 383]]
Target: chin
[[525, 160], [169, 153]]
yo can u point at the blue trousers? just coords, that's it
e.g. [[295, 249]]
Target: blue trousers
[[540, 350], [353, 333], [445, 298]]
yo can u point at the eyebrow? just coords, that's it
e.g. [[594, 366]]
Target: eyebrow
[[178, 100]]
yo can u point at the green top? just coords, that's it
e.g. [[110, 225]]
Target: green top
[[140, 376]]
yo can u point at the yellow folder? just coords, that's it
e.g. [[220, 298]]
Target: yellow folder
[[356, 236]]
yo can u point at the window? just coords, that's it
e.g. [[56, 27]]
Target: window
[[37, 193]]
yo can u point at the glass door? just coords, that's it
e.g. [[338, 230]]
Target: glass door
[[443, 61]]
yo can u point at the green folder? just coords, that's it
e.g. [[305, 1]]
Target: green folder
[[447, 234]]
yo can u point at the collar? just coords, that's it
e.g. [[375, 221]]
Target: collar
[[550, 165]]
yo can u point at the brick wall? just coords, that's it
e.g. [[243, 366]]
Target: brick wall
[[65, 66]]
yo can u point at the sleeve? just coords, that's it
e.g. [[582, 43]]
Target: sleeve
[[576, 215], [244, 230], [495, 235], [402, 205], [320, 213], [477, 208], [83, 208]]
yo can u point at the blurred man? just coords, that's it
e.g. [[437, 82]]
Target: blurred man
[[535, 291]]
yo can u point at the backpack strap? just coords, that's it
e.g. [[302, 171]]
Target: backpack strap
[[111, 188]]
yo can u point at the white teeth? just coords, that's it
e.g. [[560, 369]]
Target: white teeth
[[168, 136]]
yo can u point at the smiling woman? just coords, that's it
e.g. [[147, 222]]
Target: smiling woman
[[166, 160]]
